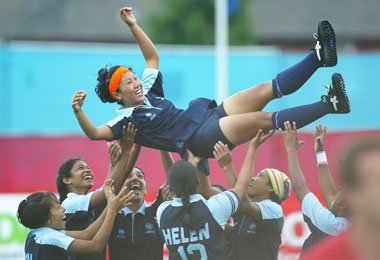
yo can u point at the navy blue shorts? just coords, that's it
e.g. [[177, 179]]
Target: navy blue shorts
[[202, 142]]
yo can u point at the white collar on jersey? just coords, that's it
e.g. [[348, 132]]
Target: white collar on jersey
[[127, 111], [177, 202], [141, 210]]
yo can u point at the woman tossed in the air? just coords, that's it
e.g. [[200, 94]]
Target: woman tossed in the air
[[235, 121]]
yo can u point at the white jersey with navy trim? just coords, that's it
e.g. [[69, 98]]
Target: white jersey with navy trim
[[206, 243], [253, 239], [47, 243], [79, 216], [321, 221]]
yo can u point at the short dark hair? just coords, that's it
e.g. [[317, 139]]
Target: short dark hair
[[349, 168], [33, 212]]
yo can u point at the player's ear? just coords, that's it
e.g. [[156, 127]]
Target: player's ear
[[116, 96], [66, 181]]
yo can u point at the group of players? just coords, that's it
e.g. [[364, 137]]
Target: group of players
[[192, 217]]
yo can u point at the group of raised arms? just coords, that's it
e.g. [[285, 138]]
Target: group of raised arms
[[192, 217]]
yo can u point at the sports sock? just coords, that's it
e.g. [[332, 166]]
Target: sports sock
[[302, 115], [293, 78]]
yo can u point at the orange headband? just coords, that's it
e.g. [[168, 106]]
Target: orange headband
[[116, 78]]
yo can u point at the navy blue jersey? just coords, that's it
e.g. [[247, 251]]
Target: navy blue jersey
[[47, 243], [79, 217], [206, 243], [136, 235], [321, 221], [258, 239], [161, 125]]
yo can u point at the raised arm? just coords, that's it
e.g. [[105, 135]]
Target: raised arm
[[205, 188], [94, 133], [326, 183], [167, 162], [146, 45], [118, 172], [294, 170], [250, 207], [94, 238], [224, 157], [245, 174]]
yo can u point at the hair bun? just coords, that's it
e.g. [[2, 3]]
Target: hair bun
[[102, 73]]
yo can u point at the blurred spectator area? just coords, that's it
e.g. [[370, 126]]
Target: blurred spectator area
[[287, 23]]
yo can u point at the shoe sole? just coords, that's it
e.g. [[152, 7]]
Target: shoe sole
[[326, 34], [339, 90]]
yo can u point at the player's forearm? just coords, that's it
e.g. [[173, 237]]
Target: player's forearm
[[230, 174], [245, 173], [100, 239], [119, 172], [326, 183], [205, 188], [146, 45], [133, 157], [85, 123], [295, 174]]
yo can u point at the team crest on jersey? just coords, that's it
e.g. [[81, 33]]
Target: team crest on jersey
[[150, 115], [149, 228], [120, 233], [251, 228]]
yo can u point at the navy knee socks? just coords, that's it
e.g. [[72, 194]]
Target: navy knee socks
[[302, 115], [293, 78]]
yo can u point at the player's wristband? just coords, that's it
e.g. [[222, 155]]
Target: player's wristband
[[321, 158]]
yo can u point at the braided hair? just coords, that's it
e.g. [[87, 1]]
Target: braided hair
[[104, 78], [65, 172], [183, 183], [33, 212]]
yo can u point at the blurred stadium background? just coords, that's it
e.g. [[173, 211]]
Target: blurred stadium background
[[50, 49]]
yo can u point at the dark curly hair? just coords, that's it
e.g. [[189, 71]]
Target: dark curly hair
[[101, 89], [65, 172]]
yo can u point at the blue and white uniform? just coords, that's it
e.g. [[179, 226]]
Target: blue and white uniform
[[206, 243], [163, 126], [47, 243], [321, 221], [136, 235], [253, 239], [79, 217]]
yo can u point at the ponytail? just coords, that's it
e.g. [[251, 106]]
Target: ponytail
[[188, 220], [184, 182]]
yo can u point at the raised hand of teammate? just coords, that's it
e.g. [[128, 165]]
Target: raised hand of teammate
[[319, 138], [222, 154], [291, 141]]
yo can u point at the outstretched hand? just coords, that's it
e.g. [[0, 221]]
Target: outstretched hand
[[127, 137], [116, 203], [319, 138], [114, 152], [127, 16], [78, 100], [291, 141], [222, 154], [260, 138]]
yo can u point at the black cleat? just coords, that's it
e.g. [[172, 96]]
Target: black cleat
[[326, 44], [336, 96]]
